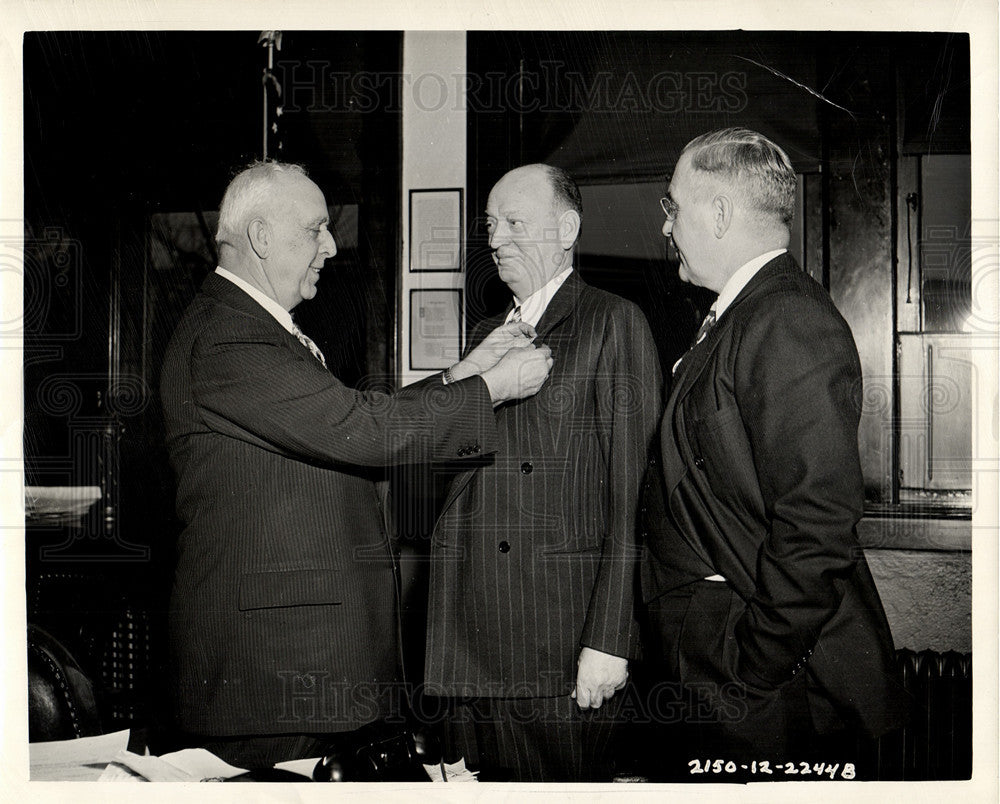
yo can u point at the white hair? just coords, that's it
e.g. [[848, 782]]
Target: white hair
[[247, 196]]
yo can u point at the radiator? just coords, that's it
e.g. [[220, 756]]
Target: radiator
[[937, 741]]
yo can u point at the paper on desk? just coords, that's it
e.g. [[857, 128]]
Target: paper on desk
[[456, 772], [77, 760], [187, 765], [304, 767]]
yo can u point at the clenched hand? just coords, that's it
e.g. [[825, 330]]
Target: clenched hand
[[598, 677]]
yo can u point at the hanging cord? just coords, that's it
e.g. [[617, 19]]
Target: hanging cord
[[270, 40], [912, 201]]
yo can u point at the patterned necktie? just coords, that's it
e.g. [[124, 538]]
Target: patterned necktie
[[309, 343], [706, 325], [515, 315]]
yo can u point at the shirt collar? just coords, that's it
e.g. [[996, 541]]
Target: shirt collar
[[279, 313], [741, 279], [533, 307]]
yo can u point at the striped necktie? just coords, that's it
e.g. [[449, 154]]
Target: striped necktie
[[309, 343], [515, 315], [706, 325]]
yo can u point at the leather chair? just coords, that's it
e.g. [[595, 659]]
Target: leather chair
[[61, 703]]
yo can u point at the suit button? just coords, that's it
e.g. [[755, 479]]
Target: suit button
[[461, 450], [699, 462], [504, 547], [475, 449], [526, 468]]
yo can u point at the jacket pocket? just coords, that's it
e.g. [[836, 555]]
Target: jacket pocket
[[267, 590], [723, 445]]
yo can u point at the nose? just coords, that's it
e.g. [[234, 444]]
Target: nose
[[496, 238], [329, 247]]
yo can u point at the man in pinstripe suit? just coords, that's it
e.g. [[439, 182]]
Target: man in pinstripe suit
[[283, 613], [533, 558]]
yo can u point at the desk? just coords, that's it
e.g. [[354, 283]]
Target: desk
[[87, 760], [82, 760]]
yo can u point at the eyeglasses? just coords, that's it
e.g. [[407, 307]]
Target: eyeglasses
[[670, 208]]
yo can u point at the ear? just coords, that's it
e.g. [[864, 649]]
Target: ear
[[722, 215], [569, 228], [259, 235]]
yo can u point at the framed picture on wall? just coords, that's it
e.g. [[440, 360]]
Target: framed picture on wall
[[436, 233], [435, 328]]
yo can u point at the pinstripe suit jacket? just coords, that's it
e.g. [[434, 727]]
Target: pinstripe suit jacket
[[283, 612], [534, 553]]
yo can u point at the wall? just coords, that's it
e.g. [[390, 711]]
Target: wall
[[434, 156], [923, 570], [927, 597]]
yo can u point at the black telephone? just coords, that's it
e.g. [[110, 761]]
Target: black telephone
[[380, 752]]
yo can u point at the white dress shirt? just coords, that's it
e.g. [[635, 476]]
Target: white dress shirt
[[533, 307], [740, 279]]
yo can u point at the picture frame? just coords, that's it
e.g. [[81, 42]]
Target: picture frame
[[436, 331], [437, 236]]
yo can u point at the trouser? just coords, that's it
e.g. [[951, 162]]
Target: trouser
[[721, 722], [533, 739]]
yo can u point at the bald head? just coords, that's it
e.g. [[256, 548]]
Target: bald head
[[565, 194], [533, 217]]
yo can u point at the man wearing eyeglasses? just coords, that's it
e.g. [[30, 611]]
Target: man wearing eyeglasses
[[765, 620]]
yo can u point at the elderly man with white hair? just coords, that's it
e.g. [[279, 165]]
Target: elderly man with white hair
[[283, 619]]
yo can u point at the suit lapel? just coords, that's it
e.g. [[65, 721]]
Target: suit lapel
[[561, 305], [673, 427], [695, 361], [558, 309]]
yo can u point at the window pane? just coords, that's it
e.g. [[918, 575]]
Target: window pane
[[944, 243]]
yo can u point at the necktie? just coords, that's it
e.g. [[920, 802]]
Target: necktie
[[706, 325], [515, 315], [309, 343]]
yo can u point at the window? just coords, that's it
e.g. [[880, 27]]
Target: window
[[935, 331]]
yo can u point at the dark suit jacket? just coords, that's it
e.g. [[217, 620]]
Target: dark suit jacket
[[283, 612], [762, 484], [534, 553]]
